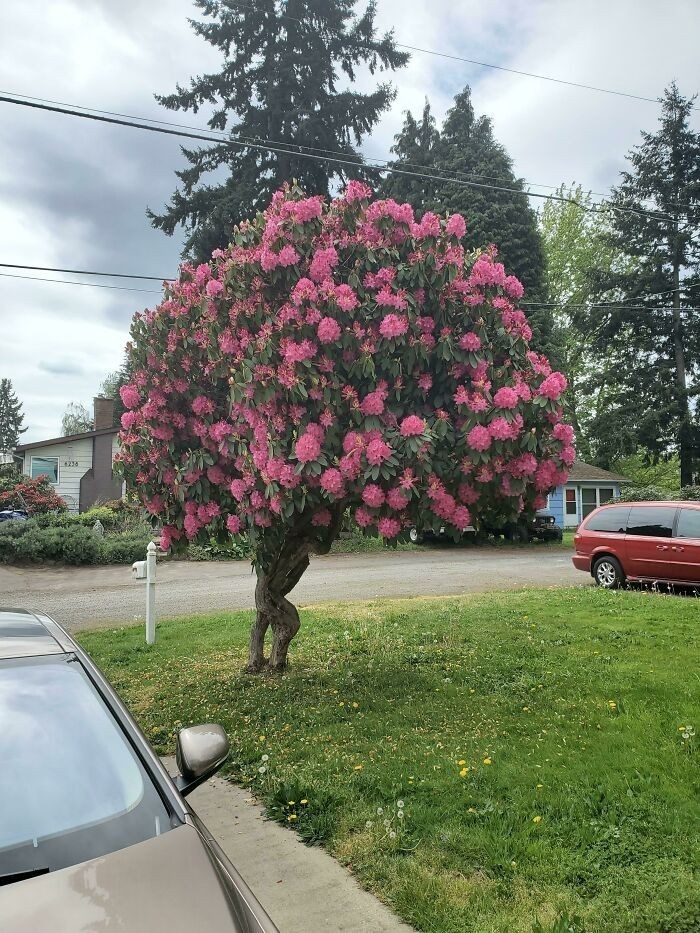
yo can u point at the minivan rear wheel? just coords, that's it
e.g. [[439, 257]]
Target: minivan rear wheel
[[607, 573]]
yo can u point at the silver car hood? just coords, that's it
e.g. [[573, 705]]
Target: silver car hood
[[166, 883]]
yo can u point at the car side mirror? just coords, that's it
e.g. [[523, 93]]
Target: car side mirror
[[200, 752]]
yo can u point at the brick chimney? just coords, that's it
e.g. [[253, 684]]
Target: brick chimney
[[104, 412]]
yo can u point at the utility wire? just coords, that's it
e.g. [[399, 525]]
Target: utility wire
[[37, 278], [605, 304], [362, 158], [393, 169], [109, 275], [471, 61]]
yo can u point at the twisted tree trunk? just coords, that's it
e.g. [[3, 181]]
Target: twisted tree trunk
[[273, 610]]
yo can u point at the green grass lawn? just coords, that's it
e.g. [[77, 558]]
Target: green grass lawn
[[481, 763]]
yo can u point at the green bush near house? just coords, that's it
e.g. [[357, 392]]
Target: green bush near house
[[71, 542], [659, 494]]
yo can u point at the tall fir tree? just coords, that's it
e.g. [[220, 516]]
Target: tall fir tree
[[655, 343], [288, 81], [11, 417], [467, 151]]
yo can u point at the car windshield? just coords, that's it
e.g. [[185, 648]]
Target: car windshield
[[71, 785]]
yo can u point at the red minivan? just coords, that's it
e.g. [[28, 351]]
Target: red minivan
[[640, 541]]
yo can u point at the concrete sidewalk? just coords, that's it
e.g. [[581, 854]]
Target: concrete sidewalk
[[302, 888]]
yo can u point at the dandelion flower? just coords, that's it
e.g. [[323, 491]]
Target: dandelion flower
[[262, 769], [461, 762], [355, 705], [487, 761], [537, 819], [303, 801], [265, 758], [540, 785], [400, 814], [392, 835], [358, 767], [380, 810], [292, 803], [464, 772], [292, 816], [399, 804], [261, 738], [369, 824]]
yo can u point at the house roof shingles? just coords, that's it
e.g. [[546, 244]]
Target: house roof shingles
[[63, 440], [586, 473]]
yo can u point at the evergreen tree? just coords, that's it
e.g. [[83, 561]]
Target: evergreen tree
[[282, 84], [655, 343], [466, 150], [11, 417]]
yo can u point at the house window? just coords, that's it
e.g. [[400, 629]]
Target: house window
[[571, 502], [45, 466], [605, 494], [589, 501]]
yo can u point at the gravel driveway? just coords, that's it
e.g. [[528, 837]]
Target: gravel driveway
[[86, 597]]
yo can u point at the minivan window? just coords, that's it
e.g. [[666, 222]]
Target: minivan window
[[654, 521], [71, 786], [612, 520], [689, 524]]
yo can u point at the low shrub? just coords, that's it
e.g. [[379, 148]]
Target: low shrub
[[235, 550], [108, 517], [124, 548], [659, 494], [30, 541]]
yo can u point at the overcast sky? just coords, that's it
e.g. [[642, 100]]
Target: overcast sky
[[73, 193]]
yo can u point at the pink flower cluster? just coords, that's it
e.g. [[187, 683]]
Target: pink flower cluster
[[296, 375]]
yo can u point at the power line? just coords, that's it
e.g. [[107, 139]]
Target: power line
[[471, 61], [109, 275], [392, 169], [606, 304], [37, 278]]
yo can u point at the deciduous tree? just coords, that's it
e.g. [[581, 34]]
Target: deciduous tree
[[337, 356]]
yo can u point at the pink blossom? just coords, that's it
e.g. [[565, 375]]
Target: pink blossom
[[388, 527], [130, 396], [479, 438], [397, 499], [506, 398], [373, 495], [356, 191], [328, 330], [307, 448], [332, 481], [128, 420], [513, 287], [563, 432], [346, 298], [393, 325], [456, 226], [500, 429], [238, 489], [412, 425], [378, 451], [553, 386], [323, 263], [461, 517], [216, 475], [202, 405], [470, 342], [233, 523], [363, 517], [372, 404], [214, 288], [321, 518]]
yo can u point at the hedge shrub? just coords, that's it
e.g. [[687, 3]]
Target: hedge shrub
[[658, 494]]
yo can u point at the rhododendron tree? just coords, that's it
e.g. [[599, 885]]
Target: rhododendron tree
[[337, 356]]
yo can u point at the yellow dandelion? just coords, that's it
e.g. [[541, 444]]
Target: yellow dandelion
[[461, 761], [540, 785], [471, 810], [358, 767], [464, 772], [291, 803], [261, 738], [342, 703], [537, 819], [355, 705], [304, 800], [487, 761], [292, 816]]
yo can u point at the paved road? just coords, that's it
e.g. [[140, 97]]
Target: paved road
[[85, 597], [301, 887]]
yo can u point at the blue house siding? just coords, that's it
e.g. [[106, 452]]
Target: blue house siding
[[556, 505], [557, 500]]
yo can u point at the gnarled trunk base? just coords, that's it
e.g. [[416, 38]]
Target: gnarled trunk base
[[274, 611]]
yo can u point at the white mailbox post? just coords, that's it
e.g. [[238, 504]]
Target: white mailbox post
[[150, 593]]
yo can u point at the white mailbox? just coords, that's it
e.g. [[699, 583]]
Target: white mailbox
[[138, 570]]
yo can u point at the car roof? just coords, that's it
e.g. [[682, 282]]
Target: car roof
[[683, 503], [27, 634]]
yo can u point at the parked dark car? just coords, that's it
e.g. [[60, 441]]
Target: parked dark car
[[9, 515], [94, 833], [633, 541]]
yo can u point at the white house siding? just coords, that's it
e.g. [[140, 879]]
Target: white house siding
[[116, 447], [74, 460]]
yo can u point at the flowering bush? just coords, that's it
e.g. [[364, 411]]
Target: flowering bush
[[337, 355], [38, 494]]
